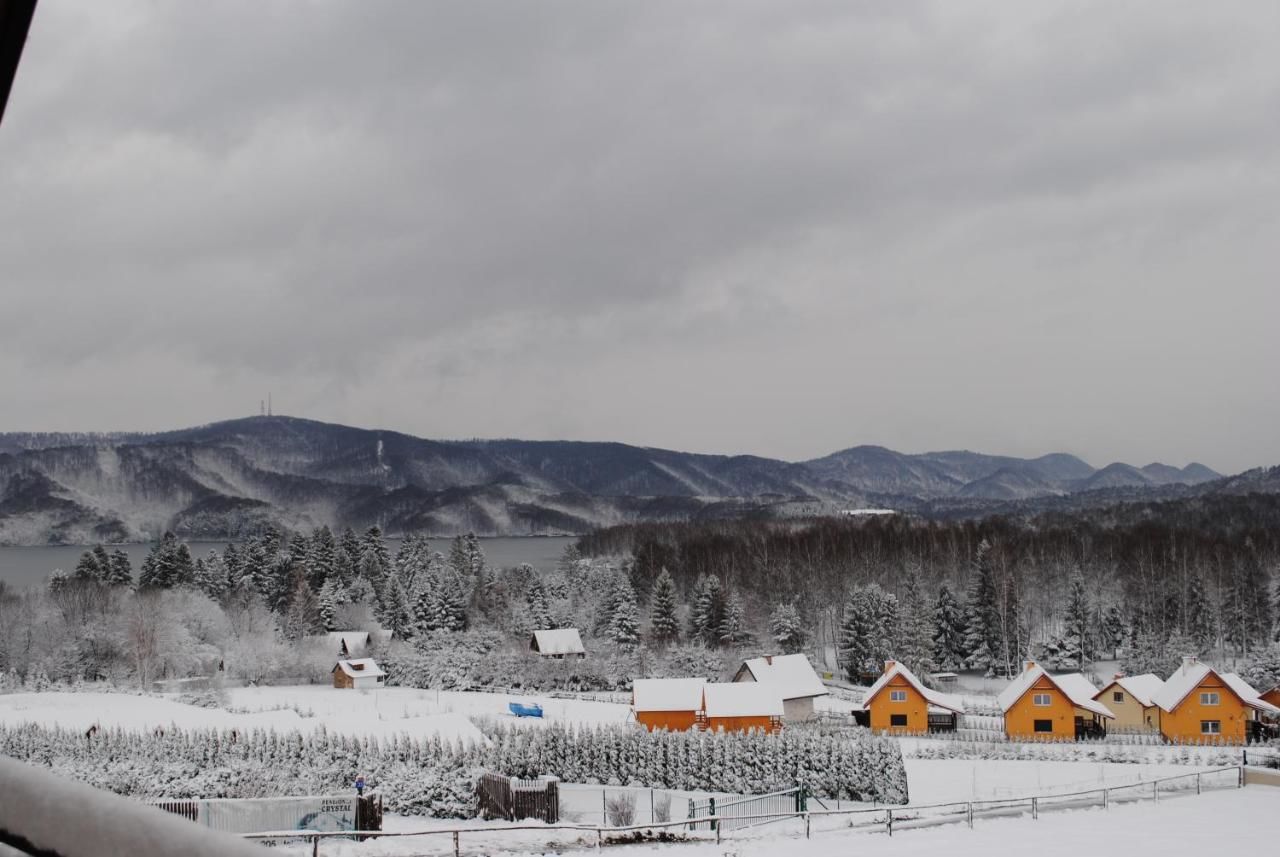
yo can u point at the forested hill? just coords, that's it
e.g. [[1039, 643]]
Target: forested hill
[[234, 477]]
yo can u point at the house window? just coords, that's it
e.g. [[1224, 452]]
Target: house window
[[897, 696], [897, 720], [1210, 698], [1117, 697], [1041, 699], [1210, 727], [1043, 726]]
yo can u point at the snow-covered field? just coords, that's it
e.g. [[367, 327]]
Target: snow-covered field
[[1187, 825]]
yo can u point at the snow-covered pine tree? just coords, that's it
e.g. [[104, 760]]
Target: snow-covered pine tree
[[624, 628], [539, 608], [733, 631], [1077, 648], [211, 576], [981, 631], [948, 631], [858, 626], [120, 571], [787, 628], [87, 568], [321, 550], [708, 610], [1197, 613], [664, 626], [915, 647], [332, 596]]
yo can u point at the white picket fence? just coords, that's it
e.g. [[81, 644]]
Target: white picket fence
[[867, 819]]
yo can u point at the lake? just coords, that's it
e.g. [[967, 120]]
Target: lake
[[21, 567]]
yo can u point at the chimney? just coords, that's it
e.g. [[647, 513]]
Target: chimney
[[1029, 665], [1118, 675], [768, 659], [888, 665], [1188, 661]]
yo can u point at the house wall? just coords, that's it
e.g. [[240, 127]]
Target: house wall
[[341, 679], [796, 710], [1272, 696], [363, 682], [1183, 723], [1019, 720], [883, 708], [1130, 714], [673, 721], [742, 724]]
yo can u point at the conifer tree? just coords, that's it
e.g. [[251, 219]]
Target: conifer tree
[[981, 620], [707, 614], [664, 625], [624, 629], [948, 631], [787, 628], [120, 570], [87, 568], [732, 631], [915, 647], [332, 596], [1076, 645], [539, 608]]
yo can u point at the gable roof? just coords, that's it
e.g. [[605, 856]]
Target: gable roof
[[938, 700], [1142, 688], [667, 694], [360, 668], [792, 676], [354, 643], [1075, 687], [1189, 676], [741, 699], [1251, 697], [558, 641]]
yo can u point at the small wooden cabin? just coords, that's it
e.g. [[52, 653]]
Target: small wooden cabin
[[558, 643], [1272, 697], [741, 707], [1039, 706], [792, 677], [899, 702], [1131, 698], [358, 674], [1199, 704], [674, 704]]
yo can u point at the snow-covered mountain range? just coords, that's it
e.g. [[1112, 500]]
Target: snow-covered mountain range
[[232, 477]]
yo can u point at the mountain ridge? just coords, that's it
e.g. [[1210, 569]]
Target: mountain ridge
[[232, 477]]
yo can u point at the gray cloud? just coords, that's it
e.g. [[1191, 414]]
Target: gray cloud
[[757, 227]]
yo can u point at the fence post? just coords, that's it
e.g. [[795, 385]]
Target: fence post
[[806, 824], [604, 805], [1197, 784], [1035, 808], [969, 815], [457, 849], [315, 846], [711, 811], [888, 821], [599, 837], [651, 818], [1106, 798], [1241, 784], [1155, 791]]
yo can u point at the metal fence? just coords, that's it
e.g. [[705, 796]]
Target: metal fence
[[744, 812]]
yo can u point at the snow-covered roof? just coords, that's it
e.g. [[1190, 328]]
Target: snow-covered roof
[[1187, 678], [1143, 688], [791, 676], [1074, 686], [355, 642], [667, 694], [1251, 697], [932, 697], [741, 699], [559, 641], [360, 667]]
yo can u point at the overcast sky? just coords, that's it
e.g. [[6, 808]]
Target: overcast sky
[[780, 228]]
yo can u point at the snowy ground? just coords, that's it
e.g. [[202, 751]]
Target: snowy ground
[[1186, 824]]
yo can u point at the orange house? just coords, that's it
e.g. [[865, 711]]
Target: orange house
[[1200, 704], [1272, 696], [1038, 706], [741, 707], [899, 702], [674, 704]]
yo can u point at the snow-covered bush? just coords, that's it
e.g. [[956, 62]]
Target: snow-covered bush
[[620, 808]]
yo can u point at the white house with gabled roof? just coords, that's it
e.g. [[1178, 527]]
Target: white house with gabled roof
[[791, 677]]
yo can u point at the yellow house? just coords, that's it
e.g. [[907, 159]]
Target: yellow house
[[1038, 706], [1201, 705], [1131, 699], [899, 702]]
